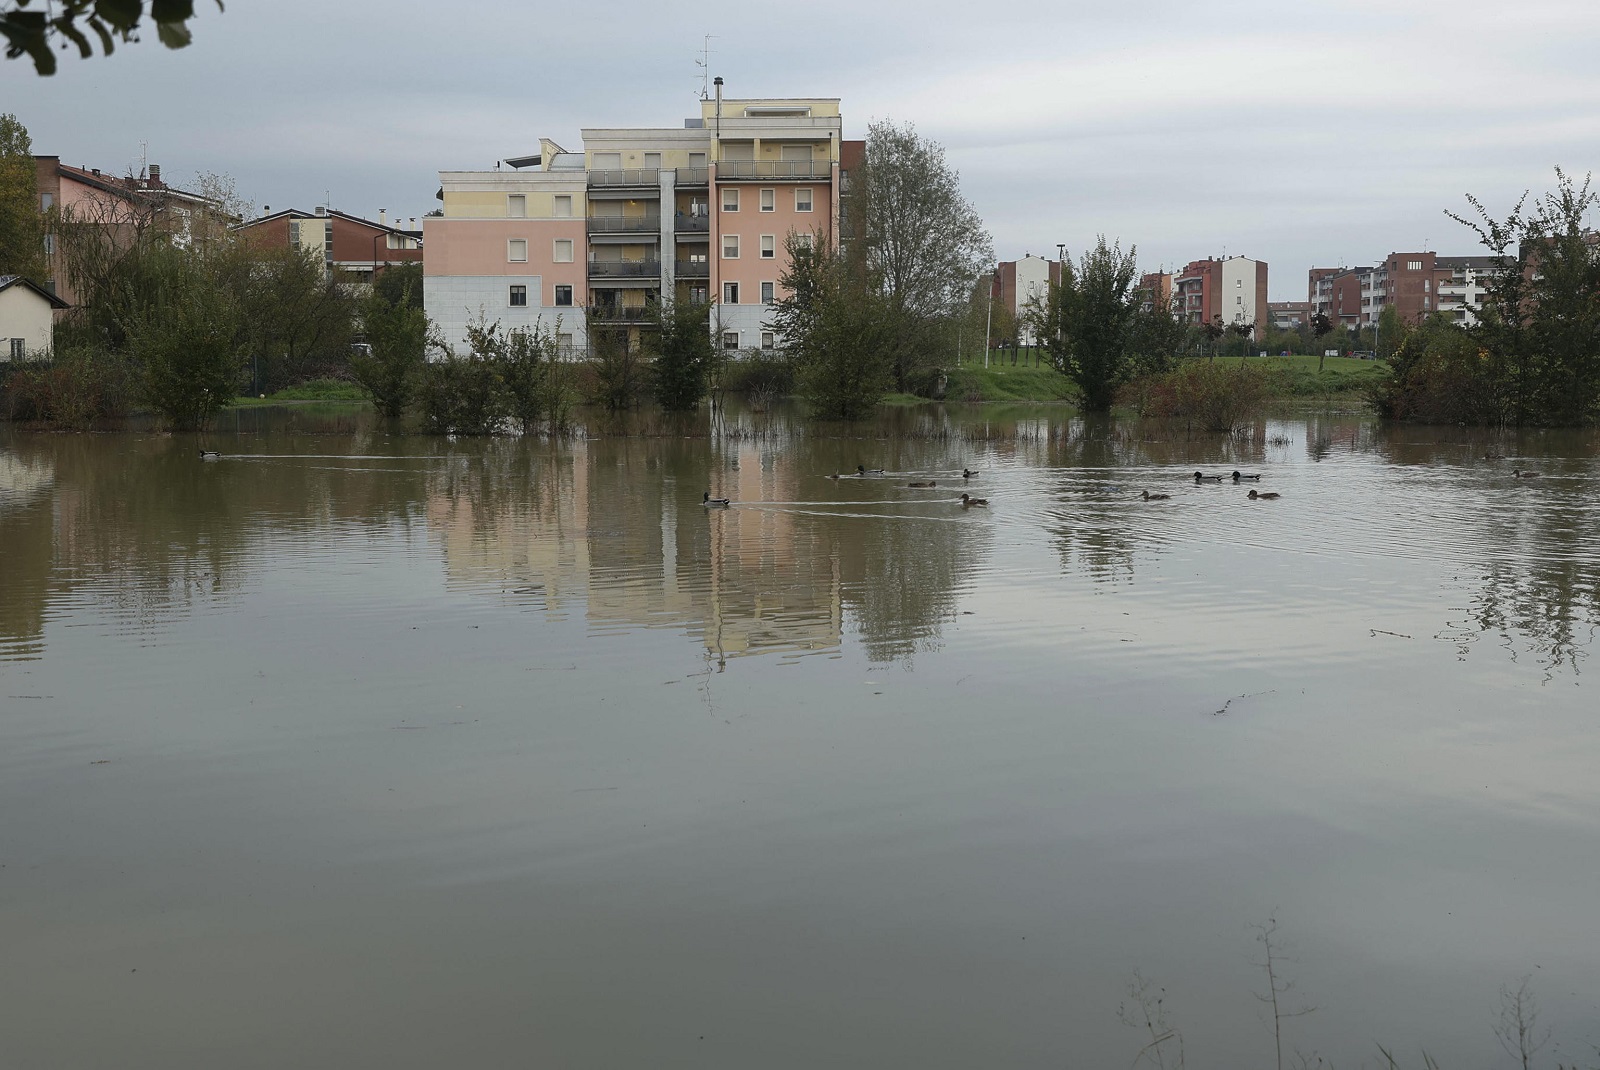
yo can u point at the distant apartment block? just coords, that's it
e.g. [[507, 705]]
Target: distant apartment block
[[700, 213], [348, 244], [1156, 287], [1288, 315], [1416, 285], [1233, 289], [1020, 285]]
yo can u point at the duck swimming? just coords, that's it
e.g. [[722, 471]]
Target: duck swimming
[[1237, 477], [1155, 497], [967, 473], [1267, 497], [1517, 473], [1198, 478], [929, 483], [968, 501], [210, 455], [863, 470], [715, 503]]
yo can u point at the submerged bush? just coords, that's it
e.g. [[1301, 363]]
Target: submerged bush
[[78, 386], [1215, 395]]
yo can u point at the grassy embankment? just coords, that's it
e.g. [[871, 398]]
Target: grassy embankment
[[315, 390]]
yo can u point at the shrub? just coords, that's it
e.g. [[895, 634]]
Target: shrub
[[760, 378], [463, 395], [1218, 396], [71, 391]]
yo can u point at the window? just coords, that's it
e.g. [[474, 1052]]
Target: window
[[730, 247], [730, 200], [697, 159], [19, 349], [517, 250], [517, 205], [769, 200], [1414, 265], [1427, 286], [564, 343], [45, 201], [1425, 304], [766, 293], [1238, 283], [294, 232], [564, 296], [563, 206], [700, 294], [730, 339], [767, 341], [607, 161], [802, 199], [519, 296], [769, 247], [802, 241], [652, 161], [1238, 300], [562, 254], [49, 245], [730, 293]]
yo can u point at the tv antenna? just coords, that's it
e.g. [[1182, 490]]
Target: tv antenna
[[704, 63]]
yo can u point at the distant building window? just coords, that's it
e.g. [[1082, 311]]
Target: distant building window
[[802, 199], [517, 250], [563, 251], [1414, 265], [563, 296], [730, 200], [519, 296], [730, 293], [1238, 300], [19, 349], [563, 206], [769, 200], [802, 241], [767, 340], [294, 232], [517, 205], [766, 293], [730, 339], [697, 159], [607, 161], [700, 295], [652, 161], [49, 245], [564, 343], [45, 201], [730, 247], [769, 247]]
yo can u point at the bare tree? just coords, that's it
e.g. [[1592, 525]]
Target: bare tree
[[1278, 986], [1518, 1028], [1148, 1012]]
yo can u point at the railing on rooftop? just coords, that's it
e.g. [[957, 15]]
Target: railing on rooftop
[[649, 224], [756, 170], [632, 176], [692, 176]]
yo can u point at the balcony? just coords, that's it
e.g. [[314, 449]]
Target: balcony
[[649, 224], [608, 315], [691, 224], [692, 269], [625, 269], [693, 176], [773, 170], [628, 177]]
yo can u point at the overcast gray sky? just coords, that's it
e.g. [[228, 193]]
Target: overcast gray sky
[[1298, 133]]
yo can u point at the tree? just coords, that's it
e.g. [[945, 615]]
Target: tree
[[1244, 329], [837, 327], [397, 346], [21, 222], [400, 283], [1086, 320], [1321, 325], [1391, 332], [924, 242], [36, 33], [183, 337], [683, 352], [296, 320], [1213, 330]]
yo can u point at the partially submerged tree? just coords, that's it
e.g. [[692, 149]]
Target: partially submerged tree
[[36, 32], [682, 354], [1085, 323], [184, 337], [397, 346]]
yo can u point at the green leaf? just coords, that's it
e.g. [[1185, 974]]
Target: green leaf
[[123, 15], [173, 34], [66, 29], [172, 10]]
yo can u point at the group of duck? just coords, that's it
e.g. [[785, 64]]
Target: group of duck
[[1237, 477], [862, 472]]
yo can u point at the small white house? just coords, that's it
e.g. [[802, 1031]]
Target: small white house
[[27, 316]]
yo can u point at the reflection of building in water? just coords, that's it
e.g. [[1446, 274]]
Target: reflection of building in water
[[27, 553], [622, 521]]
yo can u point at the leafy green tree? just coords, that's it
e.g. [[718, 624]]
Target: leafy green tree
[[400, 283], [838, 329], [183, 339], [21, 222], [1391, 332], [1213, 330], [296, 320], [925, 244], [1244, 329], [682, 354], [397, 341], [1086, 323], [537, 381], [36, 33]]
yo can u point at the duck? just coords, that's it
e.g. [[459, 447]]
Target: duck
[[715, 503], [1267, 497], [1198, 478], [1239, 476], [929, 483], [210, 455], [1517, 473], [967, 473], [1155, 497], [863, 470], [968, 501]]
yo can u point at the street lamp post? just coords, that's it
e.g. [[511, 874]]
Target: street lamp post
[[988, 321]]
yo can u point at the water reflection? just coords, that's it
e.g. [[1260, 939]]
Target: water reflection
[[609, 529]]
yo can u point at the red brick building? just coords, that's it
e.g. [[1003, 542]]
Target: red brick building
[[357, 247]]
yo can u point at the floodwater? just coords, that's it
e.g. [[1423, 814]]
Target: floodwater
[[352, 750]]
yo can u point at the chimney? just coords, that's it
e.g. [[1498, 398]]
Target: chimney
[[322, 209], [413, 222], [717, 81], [155, 176], [383, 217]]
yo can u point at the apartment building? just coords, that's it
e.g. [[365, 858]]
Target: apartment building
[[1021, 284], [1416, 284], [1346, 295], [1157, 287], [1288, 315], [355, 247], [701, 213], [1233, 289]]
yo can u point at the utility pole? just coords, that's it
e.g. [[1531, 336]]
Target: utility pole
[[988, 321]]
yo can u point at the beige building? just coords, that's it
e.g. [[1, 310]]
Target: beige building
[[27, 319]]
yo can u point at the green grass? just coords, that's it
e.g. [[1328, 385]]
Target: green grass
[[1340, 375], [315, 390], [1002, 382]]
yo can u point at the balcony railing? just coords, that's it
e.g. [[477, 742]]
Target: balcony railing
[[649, 224], [632, 176], [692, 176], [756, 170], [619, 315], [692, 269], [624, 269], [691, 224]]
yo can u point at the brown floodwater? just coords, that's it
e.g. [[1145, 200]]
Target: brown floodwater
[[358, 750]]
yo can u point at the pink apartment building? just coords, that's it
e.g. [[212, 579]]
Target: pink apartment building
[[701, 212]]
